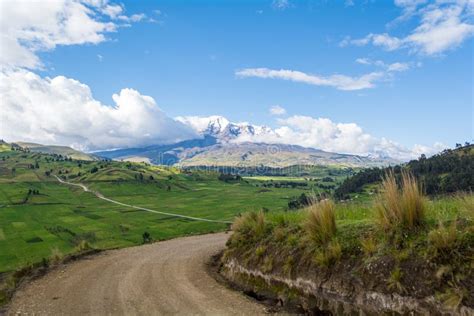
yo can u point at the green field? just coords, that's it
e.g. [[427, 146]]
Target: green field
[[56, 216]]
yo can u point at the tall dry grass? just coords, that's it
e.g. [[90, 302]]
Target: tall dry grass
[[402, 207], [252, 223], [320, 223]]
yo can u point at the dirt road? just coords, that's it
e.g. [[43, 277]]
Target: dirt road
[[165, 278]]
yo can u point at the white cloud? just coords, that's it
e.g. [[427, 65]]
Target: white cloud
[[394, 67], [27, 27], [112, 10], [341, 82], [100, 57], [322, 133], [132, 18], [443, 25], [398, 67], [63, 111], [281, 4], [277, 110]]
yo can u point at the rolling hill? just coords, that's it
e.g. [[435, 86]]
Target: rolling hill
[[211, 151], [447, 172], [58, 150]]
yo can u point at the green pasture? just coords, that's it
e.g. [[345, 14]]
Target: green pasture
[[59, 216]]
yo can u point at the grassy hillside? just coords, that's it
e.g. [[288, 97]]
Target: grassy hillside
[[447, 172], [39, 216], [209, 152], [379, 257], [57, 150]]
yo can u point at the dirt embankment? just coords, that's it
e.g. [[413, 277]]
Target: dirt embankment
[[345, 288], [168, 277]]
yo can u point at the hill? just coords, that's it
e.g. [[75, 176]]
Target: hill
[[38, 214], [447, 172], [211, 151], [57, 150]]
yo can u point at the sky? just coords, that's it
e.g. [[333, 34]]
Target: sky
[[350, 76]]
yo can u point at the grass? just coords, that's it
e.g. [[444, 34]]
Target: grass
[[321, 221], [61, 217], [400, 208], [400, 243]]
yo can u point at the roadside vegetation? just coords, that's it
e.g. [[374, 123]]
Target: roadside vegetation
[[450, 171], [401, 243]]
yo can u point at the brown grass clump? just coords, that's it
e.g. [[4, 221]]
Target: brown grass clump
[[320, 223], [369, 246], [56, 256], [443, 239], [329, 255], [400, 208], [252, 223]]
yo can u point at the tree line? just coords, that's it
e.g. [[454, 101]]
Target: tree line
[[450, 171]]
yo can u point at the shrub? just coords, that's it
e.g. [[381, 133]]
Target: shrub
[[147, 238], [400, 208], [320, 222], [252, 223]]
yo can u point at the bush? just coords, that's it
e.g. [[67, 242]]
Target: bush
[[400, 208], [320, 223], [146, 238]]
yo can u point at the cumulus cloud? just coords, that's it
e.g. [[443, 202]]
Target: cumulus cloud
[[341, 82], [27, 27], [442, 26], [61, 110], [277, 110], [350, 138]]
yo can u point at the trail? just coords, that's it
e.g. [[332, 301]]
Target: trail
[[100, 196], [165, 278]]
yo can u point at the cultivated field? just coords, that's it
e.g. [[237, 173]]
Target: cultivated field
[[40, 217]]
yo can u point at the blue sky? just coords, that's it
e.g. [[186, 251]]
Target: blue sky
[[187, 56]]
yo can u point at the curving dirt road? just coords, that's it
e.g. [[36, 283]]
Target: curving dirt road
[[165, 278]]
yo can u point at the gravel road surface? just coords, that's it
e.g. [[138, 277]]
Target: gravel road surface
[[164, 278]]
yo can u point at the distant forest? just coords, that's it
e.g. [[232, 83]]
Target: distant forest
[[450, 171]]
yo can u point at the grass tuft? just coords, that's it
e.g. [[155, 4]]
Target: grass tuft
[[395, 280], [56, 255], [252, 223], [320, 222], [400, 208], [452, 297], [369, 246], [329, 255], [443, 239]]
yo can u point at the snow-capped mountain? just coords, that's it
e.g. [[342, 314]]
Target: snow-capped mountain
[[224, 143], [224, 130]]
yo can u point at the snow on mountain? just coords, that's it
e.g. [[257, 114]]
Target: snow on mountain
[[210, 125], [224, 130]]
